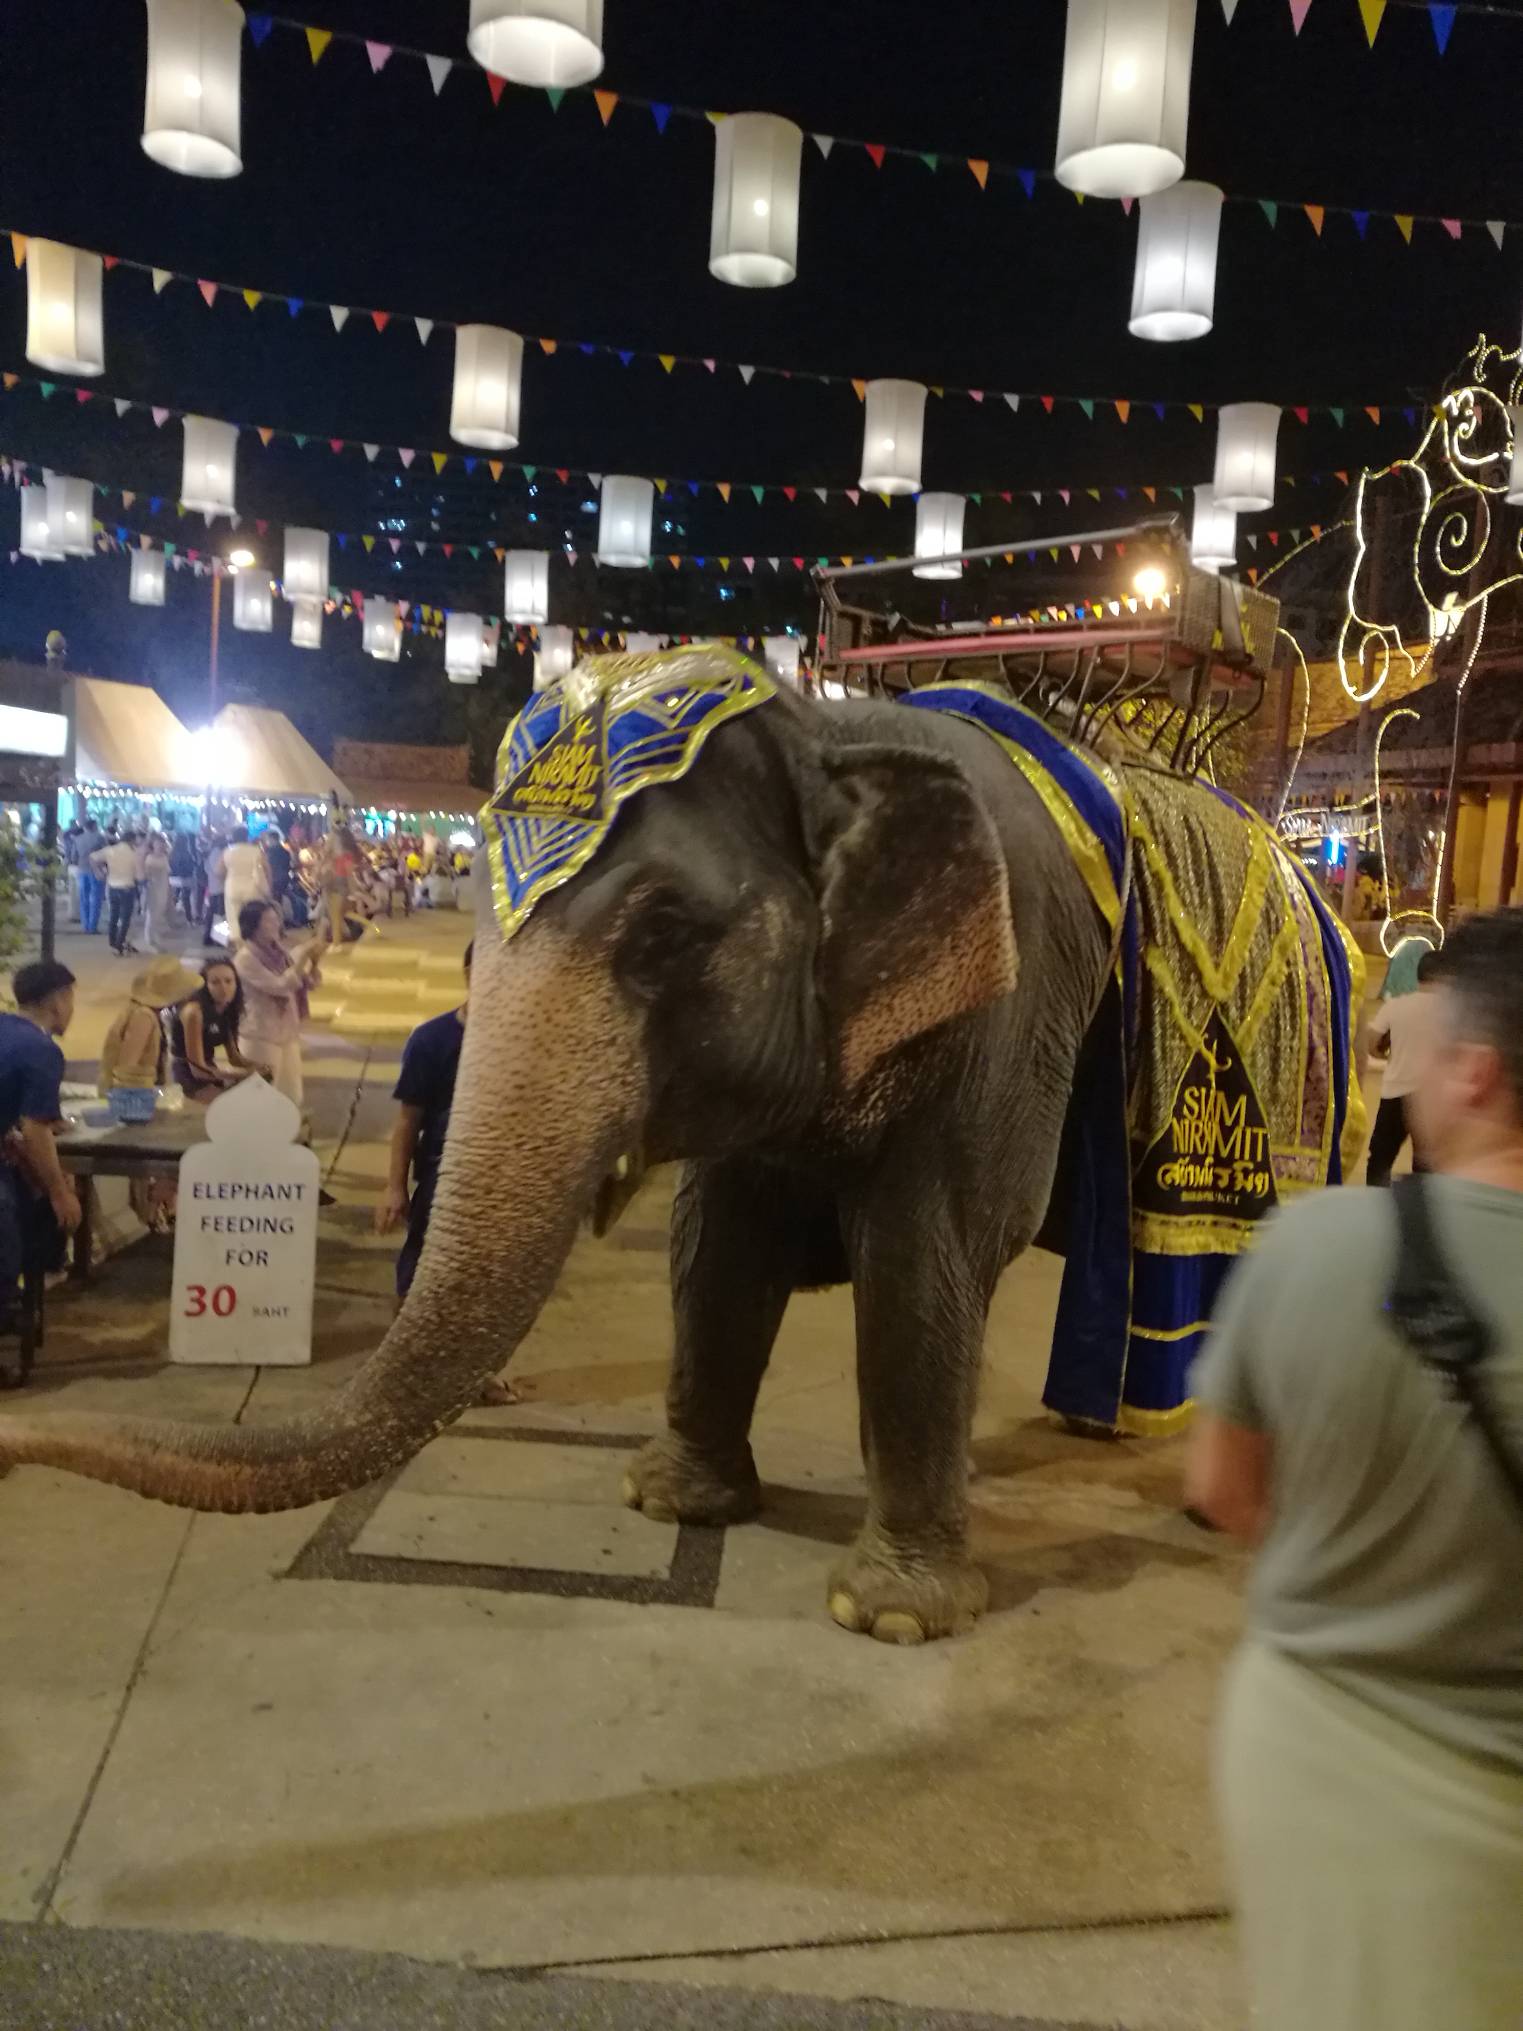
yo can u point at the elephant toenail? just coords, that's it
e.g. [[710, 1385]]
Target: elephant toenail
[[843, 1609], [897, 1626], [658, 1511], [630, 1492]]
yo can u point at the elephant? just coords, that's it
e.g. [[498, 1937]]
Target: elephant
[[842, 972]]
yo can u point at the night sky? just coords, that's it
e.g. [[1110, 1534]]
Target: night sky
[[371, 191]]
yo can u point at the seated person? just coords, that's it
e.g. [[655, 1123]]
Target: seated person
[[198, 1028], [38, 1202], [136, 1052]]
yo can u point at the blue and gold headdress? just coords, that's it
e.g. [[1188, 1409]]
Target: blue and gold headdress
[[582, 748]]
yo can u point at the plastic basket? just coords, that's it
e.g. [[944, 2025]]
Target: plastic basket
[[132, 1103]]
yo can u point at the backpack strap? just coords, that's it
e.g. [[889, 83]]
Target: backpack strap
[[1431, 1310]]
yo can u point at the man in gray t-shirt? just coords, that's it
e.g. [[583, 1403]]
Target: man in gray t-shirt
[[1370, 1760]]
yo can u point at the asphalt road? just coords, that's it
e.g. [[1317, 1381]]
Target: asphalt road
[[56, 1978]]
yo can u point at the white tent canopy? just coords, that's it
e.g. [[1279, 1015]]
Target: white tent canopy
[[260, 751], [126, 734]]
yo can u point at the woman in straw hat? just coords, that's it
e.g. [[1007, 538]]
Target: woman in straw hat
[[135, 1052]]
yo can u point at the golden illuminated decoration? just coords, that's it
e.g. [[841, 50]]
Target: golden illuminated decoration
[[1285, 635], [1394, 917], [1448, 492]]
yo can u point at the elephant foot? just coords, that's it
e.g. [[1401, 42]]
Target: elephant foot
[[671, 1482], [905, 1596]]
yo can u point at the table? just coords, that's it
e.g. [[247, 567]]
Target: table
[[147, 1149]]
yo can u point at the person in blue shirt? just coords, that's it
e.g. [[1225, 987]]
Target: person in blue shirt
[[425, 1092], [37, 1196]]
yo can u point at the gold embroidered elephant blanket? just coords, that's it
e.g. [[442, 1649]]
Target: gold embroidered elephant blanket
[[1219, 1078]]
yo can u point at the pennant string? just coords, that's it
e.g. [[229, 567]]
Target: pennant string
[[1441, 14], [340, 315]]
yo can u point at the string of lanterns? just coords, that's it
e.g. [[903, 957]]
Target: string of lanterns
[[378, 55], [1122, 134], [90, 351], [487, 401], [893, 434]]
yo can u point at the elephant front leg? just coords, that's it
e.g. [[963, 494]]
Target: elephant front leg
[[921, 1312], [732, 1258]]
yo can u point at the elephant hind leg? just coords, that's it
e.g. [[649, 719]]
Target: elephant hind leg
[[741, 1243]]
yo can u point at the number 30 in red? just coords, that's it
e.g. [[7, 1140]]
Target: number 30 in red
[[224, 1301]]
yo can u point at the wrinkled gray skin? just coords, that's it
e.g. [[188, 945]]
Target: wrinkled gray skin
[[843, 970]]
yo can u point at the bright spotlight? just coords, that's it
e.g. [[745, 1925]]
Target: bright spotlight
[[210, 757], [1151, 582], [240, 560]]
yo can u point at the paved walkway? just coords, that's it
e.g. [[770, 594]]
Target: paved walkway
[[483, 1717]]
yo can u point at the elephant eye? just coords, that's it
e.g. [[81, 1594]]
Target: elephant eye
[[669, 934]]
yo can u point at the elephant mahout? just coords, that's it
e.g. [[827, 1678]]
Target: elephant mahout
[[897, 986]]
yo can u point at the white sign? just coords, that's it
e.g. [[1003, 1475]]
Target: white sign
[[24, 732], [246, 1236]]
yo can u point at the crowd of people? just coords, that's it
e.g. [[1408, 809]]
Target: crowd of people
[[148, 884]]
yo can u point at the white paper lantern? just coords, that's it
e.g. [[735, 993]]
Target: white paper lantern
[[37, 538], [938, 533], [1126, 96], [1174, 289], [557, 652], [754, 241], [146, 587], [71, 515], [489, 373], [1213, 533], [253, 603], [383, 638], [526, 588], [491, 643], [191, 109], [1245, 443], [65, 330], [781, 654], [538, 42], [462, 647], [893, 437], [306, 624], [211, 466], [624, 523], [1515, 476], [306, 575]]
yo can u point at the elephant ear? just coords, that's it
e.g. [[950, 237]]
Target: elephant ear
[[915, 900]]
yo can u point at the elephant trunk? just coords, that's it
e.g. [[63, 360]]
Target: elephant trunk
[[551, 1089]]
